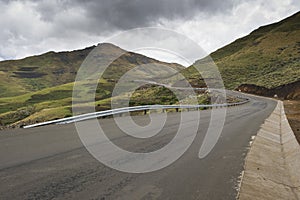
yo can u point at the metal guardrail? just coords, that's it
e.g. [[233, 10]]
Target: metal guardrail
[[129, 109]]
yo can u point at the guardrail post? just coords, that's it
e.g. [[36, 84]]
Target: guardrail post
[[177, 109], [145, 112]]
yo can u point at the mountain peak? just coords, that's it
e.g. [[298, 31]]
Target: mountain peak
[[109, 48]]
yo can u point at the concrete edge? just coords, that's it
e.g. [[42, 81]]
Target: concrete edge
[[273, 161]]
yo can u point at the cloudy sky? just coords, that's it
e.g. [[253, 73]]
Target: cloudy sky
[[36, 26]]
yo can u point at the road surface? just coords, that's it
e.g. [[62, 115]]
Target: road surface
[[50, 162]]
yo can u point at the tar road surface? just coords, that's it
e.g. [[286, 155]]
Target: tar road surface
[[50, 162]]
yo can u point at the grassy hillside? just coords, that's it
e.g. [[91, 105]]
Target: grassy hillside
[[40, 88], [268, 57], [38, 72], [52, 69], [56, 102]]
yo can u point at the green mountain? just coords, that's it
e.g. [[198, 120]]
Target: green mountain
[[52, 69], [39, 88], [38, 72], [267, 57]]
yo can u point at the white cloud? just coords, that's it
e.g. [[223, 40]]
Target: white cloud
[[34, 27], [213, 32]]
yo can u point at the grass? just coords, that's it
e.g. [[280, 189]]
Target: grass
[[45, 82], [52, 69], [39, 88], [44, 102], [56, 102], [269, 57], [39, 72]]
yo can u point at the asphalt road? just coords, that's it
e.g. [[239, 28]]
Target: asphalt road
[[50, 162]]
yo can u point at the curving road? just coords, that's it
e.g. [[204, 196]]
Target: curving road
[[51, 163]]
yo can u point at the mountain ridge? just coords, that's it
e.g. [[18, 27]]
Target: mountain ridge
[[39, 88], [268, 57], [51, 69]]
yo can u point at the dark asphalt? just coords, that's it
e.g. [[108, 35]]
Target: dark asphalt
[[51, 163]]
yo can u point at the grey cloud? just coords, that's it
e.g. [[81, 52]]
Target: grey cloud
[[49, 9], [126, 14], [35, 26]]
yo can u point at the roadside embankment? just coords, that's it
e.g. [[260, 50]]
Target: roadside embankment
[[273, 162], [292, 111]]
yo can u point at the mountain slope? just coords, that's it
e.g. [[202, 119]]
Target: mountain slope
[[268, 57], [39, 72], [52, 69], [39, 88]]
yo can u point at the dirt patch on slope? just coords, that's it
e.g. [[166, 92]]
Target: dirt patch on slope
[[292, 110], [288, 91]]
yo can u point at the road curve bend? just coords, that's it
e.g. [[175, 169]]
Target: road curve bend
[[50, 162]]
